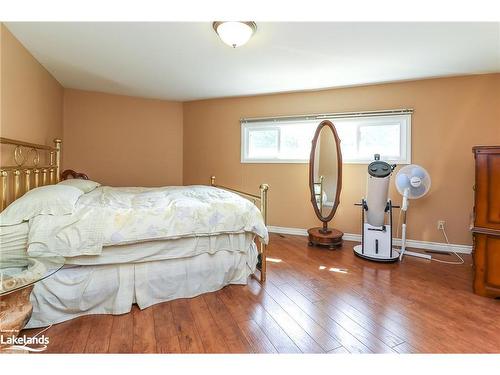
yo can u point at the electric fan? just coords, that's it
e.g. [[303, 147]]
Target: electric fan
[[412, 182]]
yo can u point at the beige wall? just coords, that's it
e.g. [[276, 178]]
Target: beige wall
[[451, 115], [117, 140], [31, 99], [123, 141]]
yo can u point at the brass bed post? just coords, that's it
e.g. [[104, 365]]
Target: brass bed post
[[3, 203], [51, 176], [263, 209], [44, 176], [36, 173], [57, 143], [27, 180], [17, 184]]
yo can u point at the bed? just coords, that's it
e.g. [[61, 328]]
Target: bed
[[125, 245]]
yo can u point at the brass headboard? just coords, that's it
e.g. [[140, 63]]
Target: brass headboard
[[33, 165]]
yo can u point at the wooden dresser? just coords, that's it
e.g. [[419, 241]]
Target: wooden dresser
[[486, 229]]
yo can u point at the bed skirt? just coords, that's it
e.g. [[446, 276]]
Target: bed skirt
[[112, 289]]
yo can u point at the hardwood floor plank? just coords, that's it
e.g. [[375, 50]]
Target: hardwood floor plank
[[368, 339], [389, 338], [122, 334], [67, 337], [321, 336], [239, 312], [344, 337], [170, 345], [57, 337], [60, 340], [275, 333], [144, 330], [100, 333], [257, 313], [209, 331], [256, 337], [299, 336], [167, 340], [233, 336], [77, 337], [189, 338]]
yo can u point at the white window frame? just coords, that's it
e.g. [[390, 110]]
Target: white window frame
[[403, 119], [404, 122]]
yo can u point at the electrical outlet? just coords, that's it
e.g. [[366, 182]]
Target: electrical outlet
[[440, 224]]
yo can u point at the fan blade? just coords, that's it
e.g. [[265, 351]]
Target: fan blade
[[417, 192], [418, 172], [402, 182]]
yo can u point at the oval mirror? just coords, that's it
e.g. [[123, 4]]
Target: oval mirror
[[325, 182]]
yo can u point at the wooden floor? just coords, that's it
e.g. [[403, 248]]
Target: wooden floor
[[314, 301]]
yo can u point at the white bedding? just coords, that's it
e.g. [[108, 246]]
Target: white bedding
[[112, 289], [143, 245], [168, 249], [13, 241], [109, 216]]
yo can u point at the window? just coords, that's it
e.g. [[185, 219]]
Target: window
[[287, 141], [283, 142], [362, 137]]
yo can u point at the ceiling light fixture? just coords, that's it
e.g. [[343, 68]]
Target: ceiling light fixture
[[235, 33]]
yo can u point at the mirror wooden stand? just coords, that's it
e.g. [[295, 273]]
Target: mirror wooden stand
[[325, 183]]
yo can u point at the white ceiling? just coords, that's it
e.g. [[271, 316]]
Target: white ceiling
[[187, 61]]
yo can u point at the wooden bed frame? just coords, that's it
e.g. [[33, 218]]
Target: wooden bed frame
[[27, 173]]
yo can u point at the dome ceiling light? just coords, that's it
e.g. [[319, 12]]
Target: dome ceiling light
[[235, 33]]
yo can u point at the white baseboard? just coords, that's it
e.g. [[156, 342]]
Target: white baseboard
[[427, 245], [285, 230]]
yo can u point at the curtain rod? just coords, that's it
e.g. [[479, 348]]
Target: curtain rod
[[324, 116]]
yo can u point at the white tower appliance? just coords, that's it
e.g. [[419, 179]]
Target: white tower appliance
[[376, 242]]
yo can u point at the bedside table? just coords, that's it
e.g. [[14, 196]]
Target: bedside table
[[18, 274]]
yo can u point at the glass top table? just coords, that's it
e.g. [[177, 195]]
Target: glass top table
[[18, 272]]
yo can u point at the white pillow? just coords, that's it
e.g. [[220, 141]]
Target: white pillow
[[84, 185], [45, 200]]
